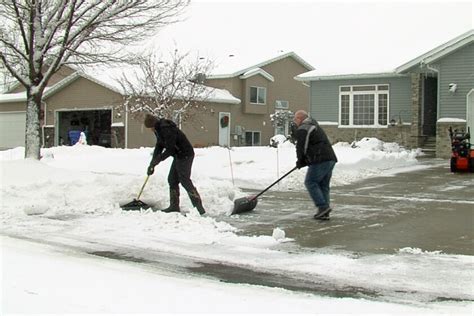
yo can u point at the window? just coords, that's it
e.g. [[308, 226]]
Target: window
[[365, 105], [252, 138], [258, 95], [281, 104]]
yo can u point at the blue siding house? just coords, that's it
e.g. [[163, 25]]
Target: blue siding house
[[413, 105]]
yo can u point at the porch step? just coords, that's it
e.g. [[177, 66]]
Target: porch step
[[429, 146]]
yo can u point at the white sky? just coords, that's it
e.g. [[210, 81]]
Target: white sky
[[331, 35]]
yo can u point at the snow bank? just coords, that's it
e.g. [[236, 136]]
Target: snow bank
[[101, 178]]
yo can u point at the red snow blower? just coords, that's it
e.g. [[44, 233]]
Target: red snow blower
[[462, 156]]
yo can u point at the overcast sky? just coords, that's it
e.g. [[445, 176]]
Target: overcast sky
[[333, 36]]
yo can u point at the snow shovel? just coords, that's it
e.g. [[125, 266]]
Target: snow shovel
[[136, 204], [246, 204]]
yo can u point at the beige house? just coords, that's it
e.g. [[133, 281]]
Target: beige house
[[237, 111], [263, 88]]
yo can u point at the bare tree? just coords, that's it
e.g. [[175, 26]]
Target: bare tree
[[37, 37], [169, 87]]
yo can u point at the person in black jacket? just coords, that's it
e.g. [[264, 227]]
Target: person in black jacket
[[171, 141], [314, 150]]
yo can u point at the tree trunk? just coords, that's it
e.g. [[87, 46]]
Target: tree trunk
[[32, 135]]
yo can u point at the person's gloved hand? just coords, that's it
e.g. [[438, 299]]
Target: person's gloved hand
[[150, 170], [300, 164]]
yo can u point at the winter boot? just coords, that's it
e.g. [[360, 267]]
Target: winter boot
[[196, 201], [174, 202], [323, 213]]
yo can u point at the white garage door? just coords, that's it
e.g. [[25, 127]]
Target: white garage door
[[12, 129]]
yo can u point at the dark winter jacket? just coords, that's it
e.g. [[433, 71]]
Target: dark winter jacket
[[170, 141], [312, 144]]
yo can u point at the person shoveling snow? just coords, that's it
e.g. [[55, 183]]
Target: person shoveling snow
[[171, 141]]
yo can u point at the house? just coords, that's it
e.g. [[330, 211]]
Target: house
[[238, 107], [263, 88], [413, 105]]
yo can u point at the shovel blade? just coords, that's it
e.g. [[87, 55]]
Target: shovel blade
[[245, 204], [135, 205]]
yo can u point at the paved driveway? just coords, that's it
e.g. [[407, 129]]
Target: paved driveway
[[430, 209]]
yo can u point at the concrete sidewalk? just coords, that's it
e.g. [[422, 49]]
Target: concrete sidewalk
[[430, 209]]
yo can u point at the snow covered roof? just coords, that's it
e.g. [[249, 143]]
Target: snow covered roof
[[16, 97], [426, 58], [13, 97], [315, 75], [257, 71], [440, 51], [108, 79], [236, 65], [221, 96]]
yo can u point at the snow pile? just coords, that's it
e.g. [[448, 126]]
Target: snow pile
[[278, 233], [93, 179], [371, 157], [418, 251]]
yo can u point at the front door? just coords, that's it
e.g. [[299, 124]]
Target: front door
[[470, 113], [224, 129], [430, 100]]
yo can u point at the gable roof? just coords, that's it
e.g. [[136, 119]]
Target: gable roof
[[49, 91], [234, 66], [439, 52], [257, 71]]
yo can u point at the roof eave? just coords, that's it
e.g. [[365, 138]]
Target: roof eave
[[350, 76]]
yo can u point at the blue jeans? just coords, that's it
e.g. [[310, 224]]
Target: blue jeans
[[317, 182]]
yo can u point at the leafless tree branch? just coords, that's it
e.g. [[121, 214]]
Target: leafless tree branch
[[37, 37], [166, 87]]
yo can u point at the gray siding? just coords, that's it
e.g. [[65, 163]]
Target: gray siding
[[325, 97], [458, 68]]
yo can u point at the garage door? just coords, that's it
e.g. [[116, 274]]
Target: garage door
[[12, 129]]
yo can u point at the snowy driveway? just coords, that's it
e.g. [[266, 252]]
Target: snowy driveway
[[430, 209]]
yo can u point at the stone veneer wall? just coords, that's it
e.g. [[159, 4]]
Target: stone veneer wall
[[398, 133], [443, 142], [416, 100]]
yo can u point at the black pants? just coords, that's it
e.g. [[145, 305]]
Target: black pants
[[180, 172]]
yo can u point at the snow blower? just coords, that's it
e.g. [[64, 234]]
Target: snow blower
[[462, 156], [246, 204], [136, 204]]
